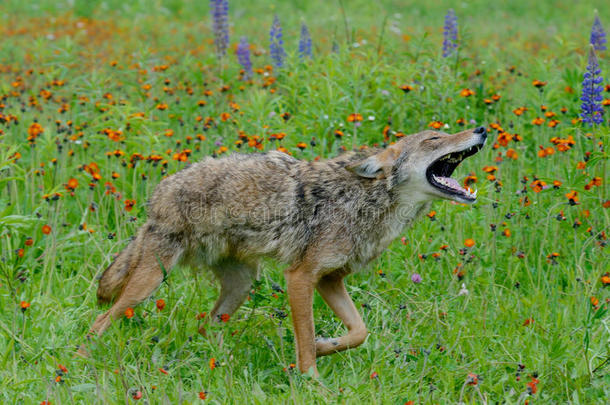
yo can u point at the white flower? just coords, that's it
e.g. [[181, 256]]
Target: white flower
[[463, 291], [371, 118]]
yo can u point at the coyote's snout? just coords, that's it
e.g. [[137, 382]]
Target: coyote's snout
[[324, 219]]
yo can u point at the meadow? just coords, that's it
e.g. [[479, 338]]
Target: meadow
[[503, 301]]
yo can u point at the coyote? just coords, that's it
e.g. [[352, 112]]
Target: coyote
[[324, 219]]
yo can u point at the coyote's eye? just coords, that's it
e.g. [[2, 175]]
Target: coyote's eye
[[434, 138]]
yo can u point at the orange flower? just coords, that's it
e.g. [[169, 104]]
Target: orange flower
[[471, 178], [301, 145], [161, 106], [436, 124], [406, 88], [606, 279], [129, 205], [354, 117], [129, 313], [538, 186], [469, 243], [203, 394], [538, 121], [213, 364], [72, 184], [225, 317], [466, 92], [506, 232], [46, 229], [24, 305], [160, 304], [572, 196], [472, 379], [539, 84], [594, 301], [512, 154], [504, 138], [528, 321], [519, 111]]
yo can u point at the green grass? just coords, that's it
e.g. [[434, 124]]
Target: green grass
[[425, 339]]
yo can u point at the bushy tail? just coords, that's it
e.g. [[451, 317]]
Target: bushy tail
[[115, 276]]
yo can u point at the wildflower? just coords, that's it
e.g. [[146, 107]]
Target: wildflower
[[539, 84], [203, 395], [598, 35], [243, 56], [24, 305], [220, 25], [374, 374], [129, 313], [72, 184], [354, 118], [406, 88], [469, 243], [160, 304], [606, 279], [213, 363], [591, 98], [416, 278], [46, 229], [450, 33], [463, 290], [532, 386], [466, 92], [305, 42], [129, 205], [472, 379], [572, 197], [594, 302], [276, 43]]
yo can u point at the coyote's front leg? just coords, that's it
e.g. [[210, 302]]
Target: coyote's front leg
[[332, 289], [300, 282]]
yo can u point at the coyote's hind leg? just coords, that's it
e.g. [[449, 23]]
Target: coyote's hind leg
[[235, 279]]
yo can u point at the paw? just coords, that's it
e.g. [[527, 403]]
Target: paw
[[326, 345]]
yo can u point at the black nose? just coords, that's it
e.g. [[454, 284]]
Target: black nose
[[481, 131]]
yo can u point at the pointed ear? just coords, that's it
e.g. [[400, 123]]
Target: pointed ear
[[377, 166]]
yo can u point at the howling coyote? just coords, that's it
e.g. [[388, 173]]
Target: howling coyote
[[323, 219]]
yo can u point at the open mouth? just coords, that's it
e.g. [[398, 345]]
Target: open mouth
[[439, 174]]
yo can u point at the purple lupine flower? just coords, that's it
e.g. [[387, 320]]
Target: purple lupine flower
[[243, 56], [592, 110], [276, 46], [305, 43], [450, 33], [220, 25], [598, 35]]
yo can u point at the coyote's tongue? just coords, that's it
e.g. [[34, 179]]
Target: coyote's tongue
[[449, 182]]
